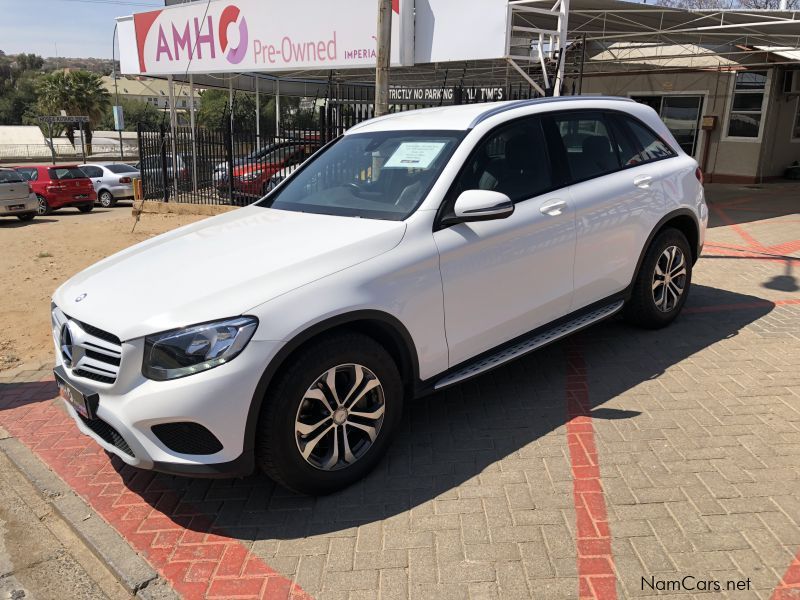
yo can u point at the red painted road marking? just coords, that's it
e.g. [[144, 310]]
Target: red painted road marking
[[596, 573], [196, 560], [789, 586]]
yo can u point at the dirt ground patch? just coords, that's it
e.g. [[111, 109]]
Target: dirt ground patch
[[36, 257]]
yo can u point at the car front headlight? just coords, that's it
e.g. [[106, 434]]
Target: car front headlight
[[250, 176], [182, 352]]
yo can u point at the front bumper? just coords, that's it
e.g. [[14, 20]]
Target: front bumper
[[12, 208], [218, 400]]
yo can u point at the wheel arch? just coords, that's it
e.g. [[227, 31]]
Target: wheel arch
[[384, 328], [682, 219]]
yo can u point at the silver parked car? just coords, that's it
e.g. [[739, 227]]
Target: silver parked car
[[112, 181], [16, 197]]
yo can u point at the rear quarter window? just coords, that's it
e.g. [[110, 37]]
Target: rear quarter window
[[11, 177]]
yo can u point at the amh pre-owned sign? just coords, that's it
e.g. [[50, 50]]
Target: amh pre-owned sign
[[267, 35]]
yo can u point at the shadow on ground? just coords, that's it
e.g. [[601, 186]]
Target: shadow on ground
[[451, 437]]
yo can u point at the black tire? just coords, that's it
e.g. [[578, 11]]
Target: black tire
[[277, 448], [86, 208], [646, 308], [28, 217], [105, 199], [43, 209]]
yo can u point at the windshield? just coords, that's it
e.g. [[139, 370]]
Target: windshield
[[380, 175], [121, 168], [67, 173]]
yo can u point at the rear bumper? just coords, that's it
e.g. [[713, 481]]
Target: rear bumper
[[12, 208]]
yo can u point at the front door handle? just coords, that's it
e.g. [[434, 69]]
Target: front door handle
[[554, 208], [643, 181]]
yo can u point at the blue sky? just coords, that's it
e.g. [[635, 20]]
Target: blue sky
[[80, 28]]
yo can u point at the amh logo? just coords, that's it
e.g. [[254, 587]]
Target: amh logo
[[192, 38], [230, 15]]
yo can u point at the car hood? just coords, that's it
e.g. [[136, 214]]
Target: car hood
[[219, 267]]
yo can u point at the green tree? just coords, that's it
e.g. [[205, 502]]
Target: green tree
[[18, 88], [135, 112], [214, 113], [78, 93]]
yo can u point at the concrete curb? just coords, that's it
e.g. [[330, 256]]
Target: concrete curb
[[130, 569], [155, 207]]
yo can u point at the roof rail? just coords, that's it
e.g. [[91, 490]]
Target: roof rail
[[496, 110]]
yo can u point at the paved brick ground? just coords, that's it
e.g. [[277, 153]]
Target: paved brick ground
[[614, 456]]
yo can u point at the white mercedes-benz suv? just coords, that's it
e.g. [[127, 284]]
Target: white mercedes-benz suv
[[415, 251]]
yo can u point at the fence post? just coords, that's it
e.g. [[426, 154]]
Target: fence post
[[162, 144], [228, 139]]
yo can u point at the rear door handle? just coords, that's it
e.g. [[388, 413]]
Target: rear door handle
[[554, 208], [642, 181]]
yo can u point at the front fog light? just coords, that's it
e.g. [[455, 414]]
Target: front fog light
[[183, 352]]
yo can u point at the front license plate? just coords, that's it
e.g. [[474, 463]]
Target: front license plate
[[84, 403]]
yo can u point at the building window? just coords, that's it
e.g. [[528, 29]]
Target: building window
[[747, 104]]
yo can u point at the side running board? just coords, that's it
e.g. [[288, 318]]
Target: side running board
[[537, 340]]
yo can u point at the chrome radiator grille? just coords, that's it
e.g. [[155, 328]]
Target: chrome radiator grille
[[86, 351]]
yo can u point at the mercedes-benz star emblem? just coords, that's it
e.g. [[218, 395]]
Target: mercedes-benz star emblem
[[81, 297], [66, 344]]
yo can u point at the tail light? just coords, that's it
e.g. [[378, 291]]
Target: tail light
[[699, 174], [30, 189], [124, 179]]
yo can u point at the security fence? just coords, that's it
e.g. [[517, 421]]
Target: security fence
[[237, 167]]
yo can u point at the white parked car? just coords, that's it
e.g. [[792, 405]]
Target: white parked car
[[111, 181], [16, 197], [418, 250]]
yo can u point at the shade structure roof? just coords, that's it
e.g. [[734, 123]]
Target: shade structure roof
[[613, 31]]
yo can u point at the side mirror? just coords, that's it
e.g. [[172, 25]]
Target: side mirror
[[480, 205]]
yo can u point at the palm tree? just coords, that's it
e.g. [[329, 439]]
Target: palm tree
[[77, 92]]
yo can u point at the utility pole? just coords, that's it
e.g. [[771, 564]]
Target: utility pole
[[384, 40]]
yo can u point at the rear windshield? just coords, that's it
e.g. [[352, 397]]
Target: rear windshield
[[10, 177], [66, 173], [121, 168]]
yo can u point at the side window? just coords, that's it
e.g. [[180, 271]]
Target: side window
[[588, 144], [512, 160], [29, 174], [92, 171], [650, 147]]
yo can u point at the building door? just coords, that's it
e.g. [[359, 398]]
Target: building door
[[681, 114]]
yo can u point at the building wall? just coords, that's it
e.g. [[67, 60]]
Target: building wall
[[728, 160], [779, 149]]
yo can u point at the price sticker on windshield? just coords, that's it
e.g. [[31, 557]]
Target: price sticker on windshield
[[414, 155]]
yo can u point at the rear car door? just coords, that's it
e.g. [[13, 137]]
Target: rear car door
[[617, 196], [503, 278]]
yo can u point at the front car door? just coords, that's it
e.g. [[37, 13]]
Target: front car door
[[503, 278], [95, 174]]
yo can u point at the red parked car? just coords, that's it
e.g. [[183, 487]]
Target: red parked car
[[59, 186], [252, 178]]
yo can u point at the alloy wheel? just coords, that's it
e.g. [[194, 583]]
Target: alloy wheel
[[105, 199], [669, 279], [340, 417], [41, 205]]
